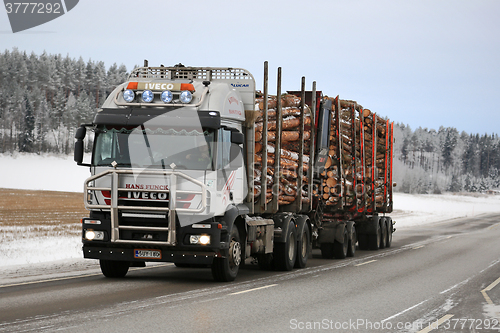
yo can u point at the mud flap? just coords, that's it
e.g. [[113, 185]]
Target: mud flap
[[332, 231], [281, 225]]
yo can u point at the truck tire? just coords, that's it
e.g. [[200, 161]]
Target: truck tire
[[383, 233], [340, 249], [226, 269], [374, 239], [351, 248], [286, 253], [389, 232], [303, 246], [114, 269]]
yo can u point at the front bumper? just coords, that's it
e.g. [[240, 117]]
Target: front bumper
[[167, 254]]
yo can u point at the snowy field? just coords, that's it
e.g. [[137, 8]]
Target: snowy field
[[35, 172], [58, 173]]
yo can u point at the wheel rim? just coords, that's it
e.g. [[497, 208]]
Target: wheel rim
[[234, 254]]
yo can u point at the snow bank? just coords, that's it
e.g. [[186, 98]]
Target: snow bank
[[41, 249], [418, 209], [48, 172]]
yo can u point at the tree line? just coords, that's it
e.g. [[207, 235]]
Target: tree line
[[44, 98], [430, 161]]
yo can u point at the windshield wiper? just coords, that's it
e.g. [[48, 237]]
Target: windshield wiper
[[147, 144]]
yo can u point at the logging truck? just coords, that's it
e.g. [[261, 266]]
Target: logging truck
[[193, 166]]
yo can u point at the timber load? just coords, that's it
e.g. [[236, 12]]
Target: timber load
[[289, 146], [357, 174], [313, 153]]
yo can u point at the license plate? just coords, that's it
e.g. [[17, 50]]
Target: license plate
[[147, 254]]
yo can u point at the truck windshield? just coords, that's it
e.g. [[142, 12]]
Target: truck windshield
[[155, 147]]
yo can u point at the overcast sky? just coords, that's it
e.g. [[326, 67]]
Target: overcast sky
[[427, 63]]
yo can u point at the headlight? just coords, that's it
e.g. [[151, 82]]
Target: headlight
[[166, 96], [147, 96], [199, 239], [204, 239], [186, 97], [94, 235], [128, 95]]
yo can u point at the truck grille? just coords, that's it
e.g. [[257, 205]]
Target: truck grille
[[145, 217]]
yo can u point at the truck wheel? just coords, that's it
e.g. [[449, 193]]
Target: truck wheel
[[286, 253], [226, 269], [303, 247], [374, 239], [389, 232], [114, 269], [340, 249], [383, 233], [327, 251], [351, 249]]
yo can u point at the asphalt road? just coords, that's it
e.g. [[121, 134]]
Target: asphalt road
[[444, 276]]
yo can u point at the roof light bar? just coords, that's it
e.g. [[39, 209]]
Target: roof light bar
[[166, 96], [147, 96], [186, 97], [129, 95]]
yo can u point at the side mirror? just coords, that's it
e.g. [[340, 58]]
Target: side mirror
[[79, 145], [237, 138], [80, 133], [78, 153]]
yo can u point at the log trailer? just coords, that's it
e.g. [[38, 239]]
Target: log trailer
[[193, 166]]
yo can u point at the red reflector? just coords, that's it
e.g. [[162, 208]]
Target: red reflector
[[187, 86], [132, 85], [219, 226]]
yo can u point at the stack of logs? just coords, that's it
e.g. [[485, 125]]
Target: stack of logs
[[379, 172], [287, 190], [337, 180], [346, 181]]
